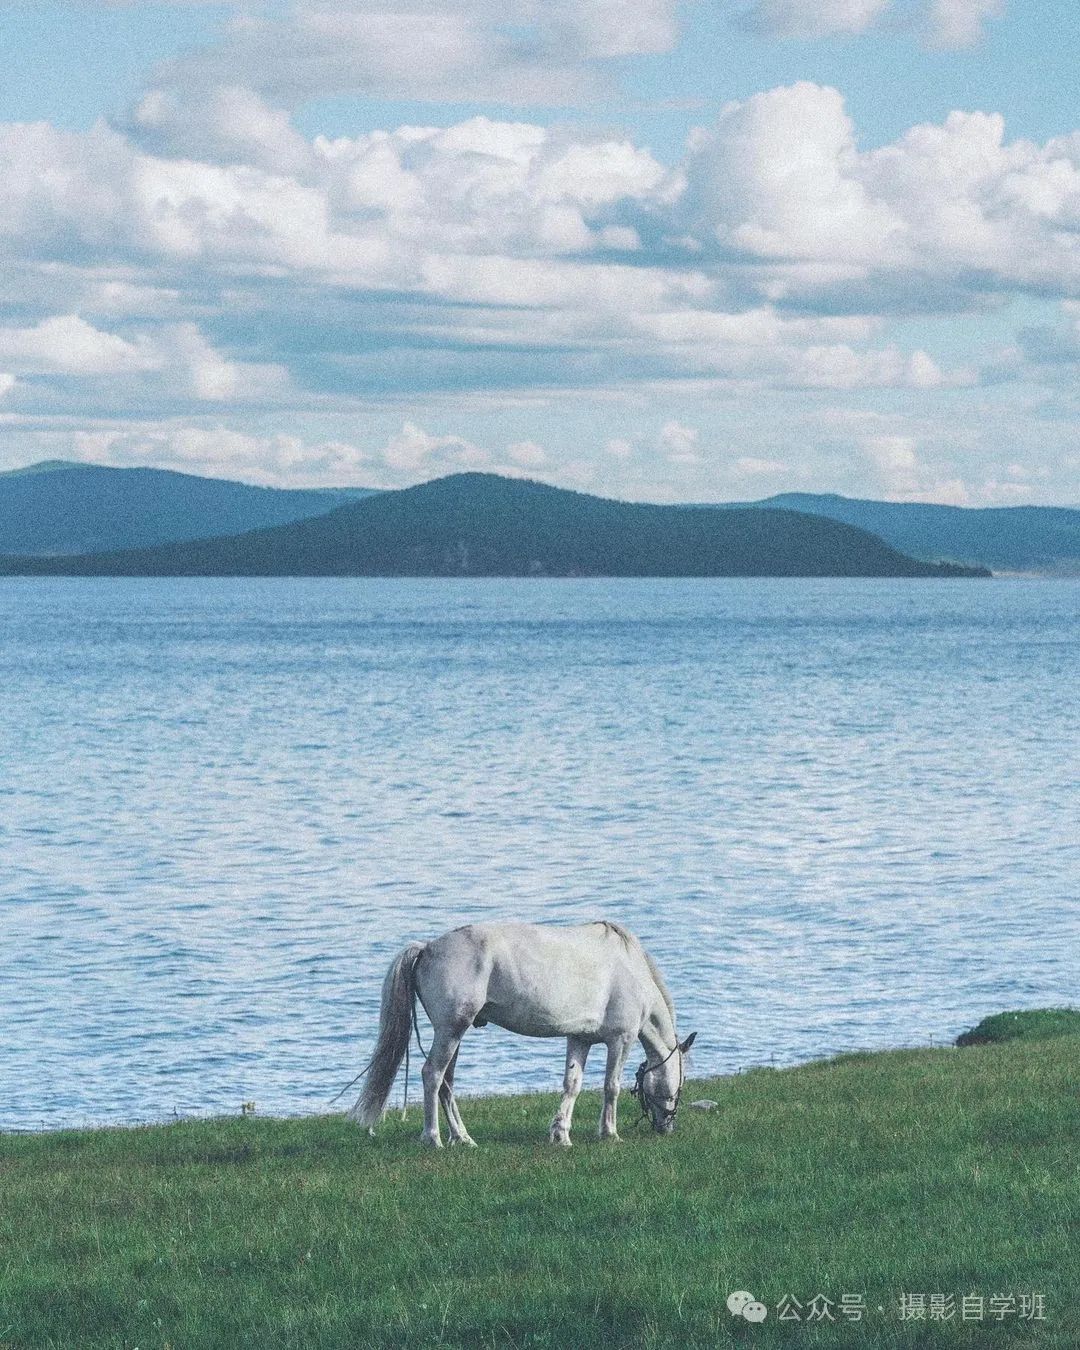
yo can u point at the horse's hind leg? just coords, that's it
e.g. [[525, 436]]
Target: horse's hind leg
[[458, 1133], [444, 1047], [577, 1052]]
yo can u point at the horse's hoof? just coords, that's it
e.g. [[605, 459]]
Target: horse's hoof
[[612, 1138], [430, 1141], [466, 1141], [559, 1140]]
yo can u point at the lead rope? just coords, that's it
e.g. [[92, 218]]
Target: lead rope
[[353, 1082], [420, 1046], [405, 1093], [405, 1099]]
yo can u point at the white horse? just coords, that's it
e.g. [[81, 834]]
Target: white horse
[[592, 983]]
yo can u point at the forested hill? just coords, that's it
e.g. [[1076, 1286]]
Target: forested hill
[[475, 524], [60, 506], [1006, 538]]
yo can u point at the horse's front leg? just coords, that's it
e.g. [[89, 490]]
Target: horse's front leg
[[444, 1047], [577, 1052], [458, 1133], [616, 1057]]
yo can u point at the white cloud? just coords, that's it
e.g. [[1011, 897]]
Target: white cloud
[[492, 255], [224, 451], [605, 28], [198, 368], [959, 23], [413, 449], [904, 473], [818, 18], [228, 124], [68, 345], [778, 177], [895, 459], [510, 51], [527, 454], [680, 442], [946, 211], [365, 45], [943, 23], [177, 358], [480, 185], [751, 467]]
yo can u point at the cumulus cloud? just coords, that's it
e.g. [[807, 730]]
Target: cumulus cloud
[[779, 176], [220, 450], [412, 449], [66, 344], [177, 359], [261, 267], [896, 462], [481, 186], [227, 124], [947, 209], [904, 470]]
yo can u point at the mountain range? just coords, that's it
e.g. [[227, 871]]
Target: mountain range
[[63, 507], [477, 524], [1043, 539]]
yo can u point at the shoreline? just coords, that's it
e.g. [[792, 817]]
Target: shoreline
[[1029, 1021], [872, 1178]]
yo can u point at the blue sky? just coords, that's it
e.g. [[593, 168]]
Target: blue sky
[[671, 251]]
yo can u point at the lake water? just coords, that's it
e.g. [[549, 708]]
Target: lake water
[[842, 814]]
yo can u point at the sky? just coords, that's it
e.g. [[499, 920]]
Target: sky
[[698, 251]]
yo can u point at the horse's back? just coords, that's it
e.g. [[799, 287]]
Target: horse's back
[[535, 979]]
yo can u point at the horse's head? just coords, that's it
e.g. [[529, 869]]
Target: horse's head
[[658, 1087]]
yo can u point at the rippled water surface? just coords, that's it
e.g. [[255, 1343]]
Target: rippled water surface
[[841, 813]]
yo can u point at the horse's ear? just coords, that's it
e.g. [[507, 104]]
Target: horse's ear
[[688, 1042]]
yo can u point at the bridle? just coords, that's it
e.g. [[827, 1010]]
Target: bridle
[[646, 1100]]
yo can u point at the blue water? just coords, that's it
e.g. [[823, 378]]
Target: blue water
[[841, 813]]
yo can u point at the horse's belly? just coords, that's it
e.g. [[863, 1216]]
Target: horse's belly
[[540, 1021], [534, 997]]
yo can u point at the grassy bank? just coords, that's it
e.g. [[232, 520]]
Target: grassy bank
[[927, 1172]]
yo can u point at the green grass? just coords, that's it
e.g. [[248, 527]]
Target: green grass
[[1033, 1025], [934, 1171]]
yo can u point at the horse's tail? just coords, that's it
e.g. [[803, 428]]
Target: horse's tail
[[395, 1028]]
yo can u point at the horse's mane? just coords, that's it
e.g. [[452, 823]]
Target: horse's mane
[[654, 970]]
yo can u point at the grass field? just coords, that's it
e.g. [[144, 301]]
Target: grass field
[[931, 1172]]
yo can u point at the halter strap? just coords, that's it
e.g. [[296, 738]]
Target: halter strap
[[645, 1099]]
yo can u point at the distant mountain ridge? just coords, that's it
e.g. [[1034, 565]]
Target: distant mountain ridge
[[475, 524], [65, 507], [1044, 539], [70, 508]]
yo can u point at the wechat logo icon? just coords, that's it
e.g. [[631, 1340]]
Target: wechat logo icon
[[742, 1304]]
